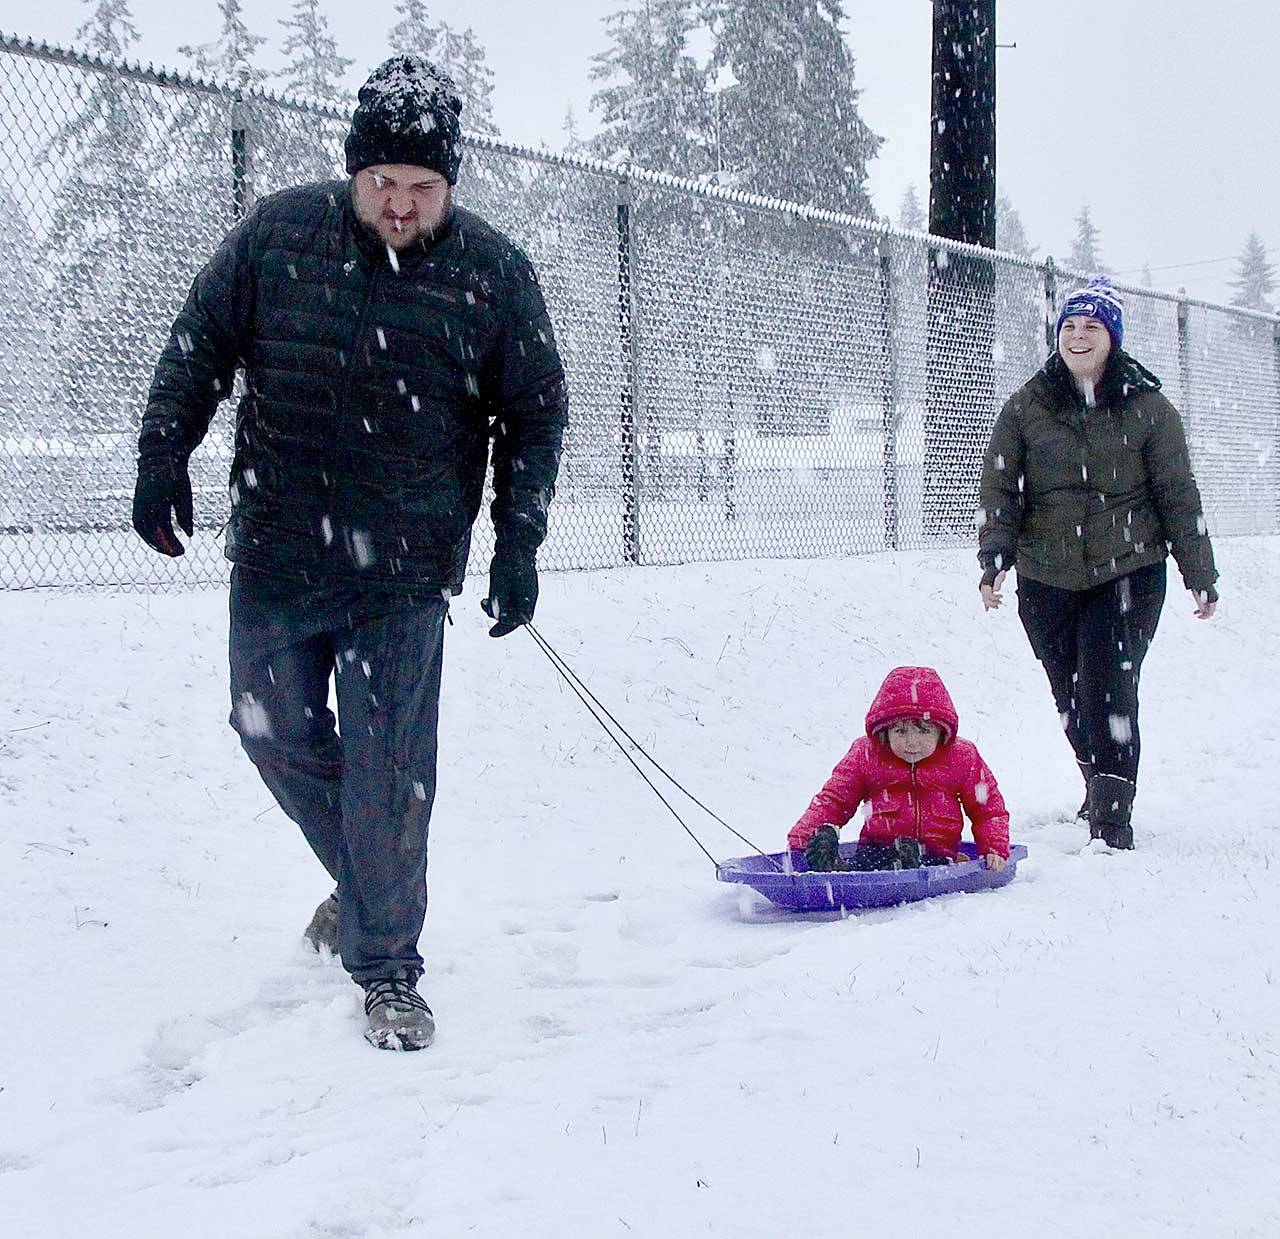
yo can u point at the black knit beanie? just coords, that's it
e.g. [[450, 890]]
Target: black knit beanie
[[407, 112]]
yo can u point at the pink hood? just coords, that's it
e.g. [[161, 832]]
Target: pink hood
[[913, 692]]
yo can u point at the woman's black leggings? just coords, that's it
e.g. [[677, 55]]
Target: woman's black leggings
[[1092, 643]]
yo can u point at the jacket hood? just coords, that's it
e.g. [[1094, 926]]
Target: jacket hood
[[913, 692], [1121, 377]]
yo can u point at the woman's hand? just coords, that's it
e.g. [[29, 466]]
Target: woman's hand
[[1205, 605], [995, 862], [991, 599]]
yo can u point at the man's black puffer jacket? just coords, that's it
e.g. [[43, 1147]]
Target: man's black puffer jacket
[[373, 385]]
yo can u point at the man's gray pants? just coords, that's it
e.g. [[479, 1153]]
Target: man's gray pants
[[362, 792]]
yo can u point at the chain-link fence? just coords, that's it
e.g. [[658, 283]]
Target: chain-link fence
[[747, 377]]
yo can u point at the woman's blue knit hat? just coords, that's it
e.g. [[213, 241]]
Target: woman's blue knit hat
[[1097, 299]]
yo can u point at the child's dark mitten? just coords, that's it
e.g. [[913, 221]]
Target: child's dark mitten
[[823, 853], [908, 853]]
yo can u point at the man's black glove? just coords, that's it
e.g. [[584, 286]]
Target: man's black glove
[[823, 853], [513, 590], [163, 492]]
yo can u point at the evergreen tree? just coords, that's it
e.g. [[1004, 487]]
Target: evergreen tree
[[573, 143], [462, 57], [1011, 236], [27, 403], [229, 57], [654, 105], [791, 125], [910, 213], [413, 34], [1255, 278], [1146, 279], [197, 176], [1084, 255], [109, 30], [100, 270], [1019, 301], [316, 70]]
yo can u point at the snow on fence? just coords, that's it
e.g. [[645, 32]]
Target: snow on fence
[[748, 377]]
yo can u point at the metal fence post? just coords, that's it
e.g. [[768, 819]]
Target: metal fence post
[[241, 159], [630, 359], [1275, 339], [888, 397], [1050, 304], [1184, 362], [729, 460]]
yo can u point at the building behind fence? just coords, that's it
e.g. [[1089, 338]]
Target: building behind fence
[[748, 378]]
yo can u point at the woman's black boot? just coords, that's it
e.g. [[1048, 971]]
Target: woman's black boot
[[1110, 808]]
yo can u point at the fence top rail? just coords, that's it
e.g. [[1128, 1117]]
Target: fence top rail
[[158, 75], [1074, 275], [622, 174]]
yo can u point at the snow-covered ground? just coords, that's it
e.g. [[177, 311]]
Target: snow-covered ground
[[626, 1046]]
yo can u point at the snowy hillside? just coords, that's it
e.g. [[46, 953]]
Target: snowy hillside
[[626, 1046]]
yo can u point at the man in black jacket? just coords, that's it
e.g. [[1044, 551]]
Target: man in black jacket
[[385, 336]]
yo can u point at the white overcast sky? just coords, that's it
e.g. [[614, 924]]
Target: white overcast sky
[[1160, 114]]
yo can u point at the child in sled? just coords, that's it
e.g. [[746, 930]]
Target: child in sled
[[918, 775]]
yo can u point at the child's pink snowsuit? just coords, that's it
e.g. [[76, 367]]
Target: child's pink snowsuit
[[921, 801]]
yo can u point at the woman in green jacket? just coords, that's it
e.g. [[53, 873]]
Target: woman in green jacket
[[1086, 487]]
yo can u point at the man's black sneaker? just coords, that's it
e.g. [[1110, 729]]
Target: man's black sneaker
[[397, 1015]]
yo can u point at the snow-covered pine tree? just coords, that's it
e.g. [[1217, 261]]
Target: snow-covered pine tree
[[295, 148], [197, 176], [654, 105], [1085, 256], [791, 124], [790, 128], [910, 213], [1011, 236], [1019, 302], [656, 113], [413, 34], [99, 262], [574, 144], [230, 57], [1255, 278], [462, 57], [316, 70], [109, 30], [28, 403]]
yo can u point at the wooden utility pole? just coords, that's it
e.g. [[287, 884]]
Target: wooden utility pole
[[962, 148], [960, 372]]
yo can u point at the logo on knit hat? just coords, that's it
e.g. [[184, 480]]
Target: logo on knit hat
[[1097, 299]]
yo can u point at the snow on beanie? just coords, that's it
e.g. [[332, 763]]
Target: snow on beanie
[[407, 112], [1097, 299]]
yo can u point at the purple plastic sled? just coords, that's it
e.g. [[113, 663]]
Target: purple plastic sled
[[783, 879]]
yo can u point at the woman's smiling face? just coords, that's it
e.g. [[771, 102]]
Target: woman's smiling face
[[1084, 344]]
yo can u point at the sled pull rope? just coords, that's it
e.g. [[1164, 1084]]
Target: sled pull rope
[[596, 708]]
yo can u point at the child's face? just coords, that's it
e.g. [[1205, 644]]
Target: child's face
[[914, 740]]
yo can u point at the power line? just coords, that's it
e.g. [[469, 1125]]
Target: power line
[[1175, 266]]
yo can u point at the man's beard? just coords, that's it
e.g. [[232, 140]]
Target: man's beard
[[412, 231]]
